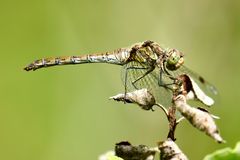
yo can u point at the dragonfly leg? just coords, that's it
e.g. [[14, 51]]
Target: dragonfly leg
[[168, 74], [166, 85], [126, 76], [149, 70]]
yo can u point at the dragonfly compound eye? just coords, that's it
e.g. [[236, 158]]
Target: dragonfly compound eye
[[174, 59]]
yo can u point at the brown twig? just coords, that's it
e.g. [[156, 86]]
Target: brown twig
[[172, 123]]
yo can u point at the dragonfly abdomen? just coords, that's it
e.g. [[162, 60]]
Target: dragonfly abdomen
[[118, 57]]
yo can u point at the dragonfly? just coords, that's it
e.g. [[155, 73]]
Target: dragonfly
[[144, 65]]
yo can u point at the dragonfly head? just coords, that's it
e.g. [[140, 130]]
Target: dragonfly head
[[174, 59]]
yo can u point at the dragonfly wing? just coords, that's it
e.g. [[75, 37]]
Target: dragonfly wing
[[150, 81], [207, 87]]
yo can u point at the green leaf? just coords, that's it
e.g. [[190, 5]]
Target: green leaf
[[225, 154]]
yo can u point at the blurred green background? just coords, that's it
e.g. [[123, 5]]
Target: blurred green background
[[64, 113]]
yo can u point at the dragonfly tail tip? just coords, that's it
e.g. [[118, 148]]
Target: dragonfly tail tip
[[29, 68]]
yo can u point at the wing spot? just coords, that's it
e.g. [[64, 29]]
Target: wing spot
[[201, 79]]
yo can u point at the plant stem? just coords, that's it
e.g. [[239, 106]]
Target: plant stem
[[172, 123]]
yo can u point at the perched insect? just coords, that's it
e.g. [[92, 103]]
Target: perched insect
[[145, 65]]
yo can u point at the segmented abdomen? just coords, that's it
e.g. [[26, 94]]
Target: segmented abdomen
[[119, 57]]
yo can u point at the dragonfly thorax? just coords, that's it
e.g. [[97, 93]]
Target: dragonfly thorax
[[174, 59]]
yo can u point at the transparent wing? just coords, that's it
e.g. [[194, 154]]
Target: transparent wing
[[207, 87], [150, 81]]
